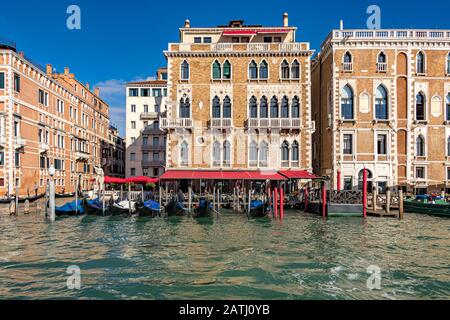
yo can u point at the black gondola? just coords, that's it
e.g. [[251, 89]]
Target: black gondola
[[259, 209], [22, 199], [93, 207], [204, 209], [175, 208], [64, 195], [148, 209], [122, 208]]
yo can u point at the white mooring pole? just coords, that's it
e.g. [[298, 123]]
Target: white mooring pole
[[51, 172]]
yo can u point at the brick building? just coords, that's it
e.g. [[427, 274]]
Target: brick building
[[381, 99], [46, 118], [113, 154], [238, 98]]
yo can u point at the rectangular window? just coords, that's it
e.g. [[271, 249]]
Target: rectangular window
[[145, 141], [197, 39], [245, 39], [155, 141], [155, 172], [17, 159], [420, 173], [235, 40], [133, 172], [133, 124], [2, 158], [133, 108], [145, 156], [16, 82], [2, 80], [382, 144], [155, 156], [132, 156], [348, 183], [145, 108], [42, 162], [134, 93], [207, 40], [277, 39], [145, 92], [267, 39], [2, 182], [157, 92], [348, 144], [448, 172]]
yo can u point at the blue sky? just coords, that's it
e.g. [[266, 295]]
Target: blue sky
[[120, 41]]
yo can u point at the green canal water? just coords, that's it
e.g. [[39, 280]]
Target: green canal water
[[302, 257]]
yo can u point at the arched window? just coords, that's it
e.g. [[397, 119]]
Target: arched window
[[274, 107], [226, 154], [217, 70], [285, 154], [295, 108], [347, 103], [227, 70], [347, 57], [448, 64], [448, 147], [285, 107], [184, 154], [253, 154], [420, 146], [381, 58], [216, 154], [253, 108], [253, 70], [420, 63], [227, 107], [295, 70], [381, 105], [420, 107], [185, 108], [347, 65], [185, 70], [447, 107], [295, 152], [264, 70], [264, 154], [284, 70], [216, 108], [263, 108]]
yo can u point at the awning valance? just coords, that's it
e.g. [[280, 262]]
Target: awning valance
[[221, 175], [298, 174]]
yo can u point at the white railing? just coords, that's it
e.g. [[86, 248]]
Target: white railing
[[347, 66], [221, 123], [390, 34], [149, 115], [258, 47], [19, 142], [44, 147], [231, 47], [2, 140], [222, 47], [176, 123], [274, 123], [381, 66], [81, 155]]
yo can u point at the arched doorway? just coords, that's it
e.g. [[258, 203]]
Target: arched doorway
[[361, 177]]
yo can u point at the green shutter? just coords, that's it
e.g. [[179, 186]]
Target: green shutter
[[2, 81], [216, 70]]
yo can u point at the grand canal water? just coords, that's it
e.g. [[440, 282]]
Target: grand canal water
[[302, 257]]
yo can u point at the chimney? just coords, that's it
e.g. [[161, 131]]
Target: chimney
[[187, 23], [341, 26], [97, 92], [87, 85], [21, 54], [66, 71], [49, 69], [285, 20]]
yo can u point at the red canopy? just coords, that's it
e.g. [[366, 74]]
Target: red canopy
[[141, 180], [112, 180], [298, 174], [221, 175]]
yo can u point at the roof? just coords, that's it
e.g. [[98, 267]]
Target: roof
[[298, 174], [148, 83], [221, 175]]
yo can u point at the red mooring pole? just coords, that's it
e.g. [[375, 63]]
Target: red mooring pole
[[339, 180], [365, 193], [324, 200], [281, 203], [275, 202]]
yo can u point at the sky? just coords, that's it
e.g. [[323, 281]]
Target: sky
[[121, 41]]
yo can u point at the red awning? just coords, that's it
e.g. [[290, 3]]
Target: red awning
[[239, 32], [221, 175], [265, 31], [112, 180], [298, 174], [141, 180]]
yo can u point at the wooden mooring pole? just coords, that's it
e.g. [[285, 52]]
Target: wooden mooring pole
[[400, 204], [388, 201]]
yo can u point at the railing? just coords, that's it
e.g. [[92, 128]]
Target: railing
[[19, 142], [153, 163], [152, 130], [79, 155], [2, 140], [149, 115], [345, 197], [152, 147], [43, 147], [390, 34], [176, 123], [274, 123], [347, 66], [381, 67], [232, 47], [221, 123]]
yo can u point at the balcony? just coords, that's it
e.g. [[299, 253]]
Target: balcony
[[381, 67], [234, 47], [347, 67], [153, 163], [151, 147], [149, 130], [219, 123], [19, 142], [150, 115], [274, 123], [43, 147], [174, 123], [2, 141], [82, 156]]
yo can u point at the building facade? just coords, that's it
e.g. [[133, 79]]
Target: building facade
[[145, 141], [238, 99], [382, 99], [46, 119], [113, 154]]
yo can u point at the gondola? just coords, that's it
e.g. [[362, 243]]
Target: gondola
[[64, 195], [122, 208], [422, 204], [22, 199], [93, 207], [204, 209], [175, 208], [258, 209], [148, 208], [73, 208]]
